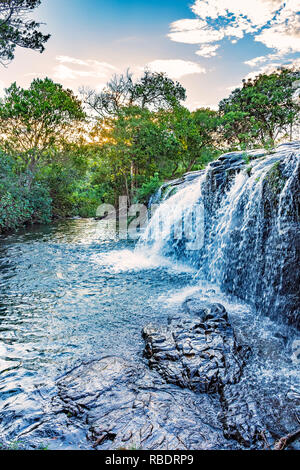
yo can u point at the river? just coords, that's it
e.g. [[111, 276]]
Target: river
[[67, 295]]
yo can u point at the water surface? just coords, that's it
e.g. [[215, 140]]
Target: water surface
[[68, 295]]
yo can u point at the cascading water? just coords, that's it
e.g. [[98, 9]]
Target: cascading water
[[176, 222], [238, 223]]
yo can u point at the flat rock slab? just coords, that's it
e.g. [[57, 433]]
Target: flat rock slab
[[112, 404]]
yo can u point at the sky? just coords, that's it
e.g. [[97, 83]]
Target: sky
[[210, 46]]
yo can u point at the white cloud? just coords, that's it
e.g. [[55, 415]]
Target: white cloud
[[175, 68], [70, 60], [272, 22], [90, 68], [269, 68], [194, 32], [256, 61], [265, 69], [285, 36], [208, 50], [257, 12]]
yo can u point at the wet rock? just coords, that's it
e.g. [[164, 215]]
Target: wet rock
[[261, 238], [240, 417], [200, 352], [112, 404]]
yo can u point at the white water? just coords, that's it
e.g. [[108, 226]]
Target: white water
[[178, 218]]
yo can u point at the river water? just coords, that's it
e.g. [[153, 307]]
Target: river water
[[68, 295]]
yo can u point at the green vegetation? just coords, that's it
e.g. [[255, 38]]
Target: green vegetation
[[16, 29], [261, 111], [275, 179], [18, 445], [63, 155]]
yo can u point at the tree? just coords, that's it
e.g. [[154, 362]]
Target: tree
[[17, 30], [38, 120], [153, 91], [132, 147], [196, 135], [262, 110]]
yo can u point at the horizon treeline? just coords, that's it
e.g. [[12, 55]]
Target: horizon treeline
[[62, 155]]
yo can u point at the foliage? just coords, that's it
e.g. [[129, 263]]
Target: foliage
[[38, 121], [19, 203], [148, 188], [262, 110], [196, 134], [57, 163], [38, 118], [17, 30], [153, 91], [132, 148]]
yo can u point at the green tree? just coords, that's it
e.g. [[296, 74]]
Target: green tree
[[17, 30], [153, 91], [262, 110], [36, 122], [196, 134], [132, 147]]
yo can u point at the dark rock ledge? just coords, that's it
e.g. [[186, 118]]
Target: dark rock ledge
[[201, 353]]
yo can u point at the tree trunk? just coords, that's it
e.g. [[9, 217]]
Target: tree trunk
[[191, 164]]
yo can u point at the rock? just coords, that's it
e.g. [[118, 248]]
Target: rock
[[120, 405], [200, 352], [240, 417], [257, 228]]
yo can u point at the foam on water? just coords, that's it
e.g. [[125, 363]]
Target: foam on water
[[138, 260]]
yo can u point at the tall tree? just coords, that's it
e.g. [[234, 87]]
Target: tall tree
[[263, 110], [33, 121], [196, 134], [133, 146], [16, 29], [152, 91]]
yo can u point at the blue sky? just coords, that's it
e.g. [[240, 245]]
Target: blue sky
[[208, 45]]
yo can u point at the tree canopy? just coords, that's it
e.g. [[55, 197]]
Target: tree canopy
[[153, 91], [35, 119], [16, 29], [59, 159], [262, 110]]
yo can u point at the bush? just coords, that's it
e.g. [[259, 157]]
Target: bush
[[148, 188], [21, 203]]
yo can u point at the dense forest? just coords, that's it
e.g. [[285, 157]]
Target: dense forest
[[63, 154]]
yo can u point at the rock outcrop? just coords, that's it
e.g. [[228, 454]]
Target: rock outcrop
[[200, 352], [257, 223], [197, 393], [113, 404]]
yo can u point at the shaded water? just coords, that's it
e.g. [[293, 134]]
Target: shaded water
[[67, 295]]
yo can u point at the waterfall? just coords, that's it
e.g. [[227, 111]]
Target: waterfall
[[238, 223], [177, 225]]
